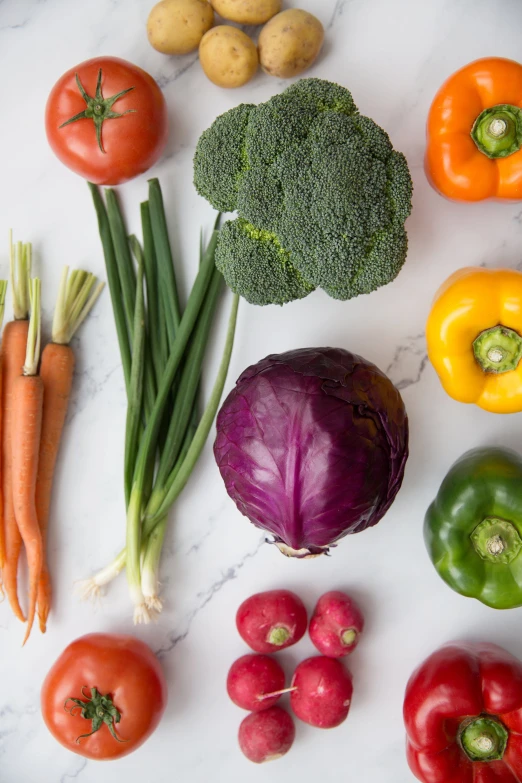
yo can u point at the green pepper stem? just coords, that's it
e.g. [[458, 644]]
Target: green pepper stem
[[496, 540], [498, 349], [497, 131], [483, 738]]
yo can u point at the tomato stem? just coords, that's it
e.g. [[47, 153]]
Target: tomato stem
[[96, 708], [98, 108]]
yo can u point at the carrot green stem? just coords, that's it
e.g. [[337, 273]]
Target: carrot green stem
[[3, 291], [114, 283], [178, 479], [77, 294], [32, 356], [20, 264]]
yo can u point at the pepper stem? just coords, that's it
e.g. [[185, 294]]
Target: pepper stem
[[498, 350], [497, 131], [483, 738], [496, 540]]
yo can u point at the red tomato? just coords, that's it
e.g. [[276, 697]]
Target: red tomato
[[116, 129], [115, 680]]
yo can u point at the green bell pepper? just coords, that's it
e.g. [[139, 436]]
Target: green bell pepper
[[473, 528]]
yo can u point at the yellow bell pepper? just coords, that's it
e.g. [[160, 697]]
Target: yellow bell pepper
[[474, 336]]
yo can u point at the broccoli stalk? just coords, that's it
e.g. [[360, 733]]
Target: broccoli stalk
[[320, 192]]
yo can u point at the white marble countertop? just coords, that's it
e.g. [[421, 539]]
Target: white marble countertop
[[393, 56]]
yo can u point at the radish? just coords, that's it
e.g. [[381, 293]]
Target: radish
[[321, 692], [336, 624], [253, 676], [271, 621], [266, 736]]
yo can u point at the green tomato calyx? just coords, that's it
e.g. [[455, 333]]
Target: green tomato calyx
[[496, 540], [98, 108], [483, 738], [96, 708]]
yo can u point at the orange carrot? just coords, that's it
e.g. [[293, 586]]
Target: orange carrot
[[76, 296], [3, 288], [27, 424], [57, 375], [26, 431], [12, 358]]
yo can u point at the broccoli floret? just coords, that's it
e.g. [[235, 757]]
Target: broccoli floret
[[220, 159], [255, 265], [322, 197]]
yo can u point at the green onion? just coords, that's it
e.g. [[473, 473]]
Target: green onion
[[114, 283], [166, 350], [168, 290], [178, 480], [135, 403]]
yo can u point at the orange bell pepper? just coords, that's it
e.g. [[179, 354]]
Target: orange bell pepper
[[474, 336], [475, 133]]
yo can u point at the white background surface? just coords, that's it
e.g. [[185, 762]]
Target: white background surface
[[393, 56]]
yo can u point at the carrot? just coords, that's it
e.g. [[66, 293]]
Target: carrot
[[27, 424], [12, 358], [75, 299], [3, 289]]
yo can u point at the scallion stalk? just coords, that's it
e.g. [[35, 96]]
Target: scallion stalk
[[178, 479], [113, 279]]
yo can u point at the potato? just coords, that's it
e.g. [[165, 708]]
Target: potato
[[177, 26], [289, 43], [228, 56], [247, 11]]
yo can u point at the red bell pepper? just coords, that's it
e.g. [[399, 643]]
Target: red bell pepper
[[463, 716]]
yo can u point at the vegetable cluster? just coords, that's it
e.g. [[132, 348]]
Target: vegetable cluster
[[320, 192]]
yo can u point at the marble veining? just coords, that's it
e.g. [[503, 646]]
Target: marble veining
[[393, 56]]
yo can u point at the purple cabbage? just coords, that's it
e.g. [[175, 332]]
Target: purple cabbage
[[312, 445]]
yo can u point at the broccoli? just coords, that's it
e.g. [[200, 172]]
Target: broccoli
[[320, 192]]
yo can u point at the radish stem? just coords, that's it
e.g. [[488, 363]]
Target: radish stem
[[276, 693]]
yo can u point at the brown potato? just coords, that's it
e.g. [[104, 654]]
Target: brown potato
[[289, 43], [247, 11], [177, 26], [228, 56]]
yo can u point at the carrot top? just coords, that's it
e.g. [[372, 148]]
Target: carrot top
[[76, 297], [3, 291], [20, 264], [32, 354]]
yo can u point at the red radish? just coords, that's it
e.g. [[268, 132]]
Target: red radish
[[253, 676], [267, 735], [321, 692], [271, 621], [336, 624]]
